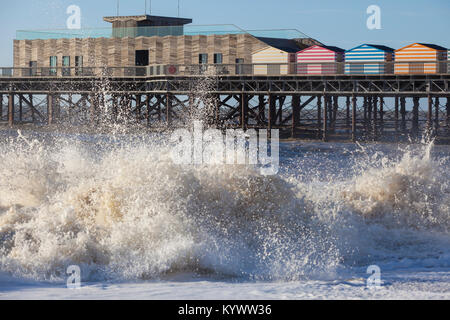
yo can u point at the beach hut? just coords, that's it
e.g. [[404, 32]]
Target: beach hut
[[278, 58], [448, 61], [420, 58], [369, 59], [320, 60]]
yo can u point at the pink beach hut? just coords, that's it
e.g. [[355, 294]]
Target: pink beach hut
[[320, 60]]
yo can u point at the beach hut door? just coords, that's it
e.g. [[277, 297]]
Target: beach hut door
[[417, 67], [273, 69]]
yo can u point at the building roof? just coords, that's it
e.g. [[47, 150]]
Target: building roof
[[381, 47], [433, 46], [286, 45], [331, 48], [377, 46], [335, 49], [154, 20]]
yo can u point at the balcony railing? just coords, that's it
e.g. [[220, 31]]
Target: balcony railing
[[260, 69]]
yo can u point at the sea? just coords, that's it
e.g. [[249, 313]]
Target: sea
[[338, 221]]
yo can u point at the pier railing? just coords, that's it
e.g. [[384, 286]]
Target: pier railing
[[257, 69]]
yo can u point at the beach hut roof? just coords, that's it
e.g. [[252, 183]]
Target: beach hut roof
[[331, 48], [335, 49], [429, 45], [377, 46], [285, 45]]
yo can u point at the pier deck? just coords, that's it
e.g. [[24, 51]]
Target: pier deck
[[360, 107]]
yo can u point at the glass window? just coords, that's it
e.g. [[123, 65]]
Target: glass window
[[66, 61], [203, 58], [218, 58], [66, 66], [78, 65], [33, 68], [53, 65], [239, 66]]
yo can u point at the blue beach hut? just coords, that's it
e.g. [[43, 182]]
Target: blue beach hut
[[369, 59]]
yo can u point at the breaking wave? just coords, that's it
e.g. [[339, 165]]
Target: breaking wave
[[123, 211]]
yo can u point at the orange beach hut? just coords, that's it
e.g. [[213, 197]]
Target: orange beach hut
[[421, 58]]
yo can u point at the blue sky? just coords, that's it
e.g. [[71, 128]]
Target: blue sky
[[333, 22]]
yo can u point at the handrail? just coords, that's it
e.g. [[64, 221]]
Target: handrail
[[270, 69]]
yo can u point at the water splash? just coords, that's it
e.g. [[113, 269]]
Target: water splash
[[124, 211]]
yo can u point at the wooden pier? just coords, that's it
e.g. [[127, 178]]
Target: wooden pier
[[351, 107]]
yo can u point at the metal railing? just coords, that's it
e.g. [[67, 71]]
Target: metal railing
[[259, 69], [151, 31]]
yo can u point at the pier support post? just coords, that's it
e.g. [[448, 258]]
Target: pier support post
[[138, 108], [448, 113], [169, 109], [375, 118], [436, 114], [325, 118], [415, 123], [57, 108], [92, 110], [430, 115], [49, 109], [347, 114], [295, 113], [334, 113], [319, 117], [261, 109], [20, 108], [244, 111], [33, 117], [354, 106], [396, 113], [115, 108], [403, 114], [191, 108], [369, 113], [381, 116], [365, 107], [271, 115], [216, 98], [11, 109], [147, 109]]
